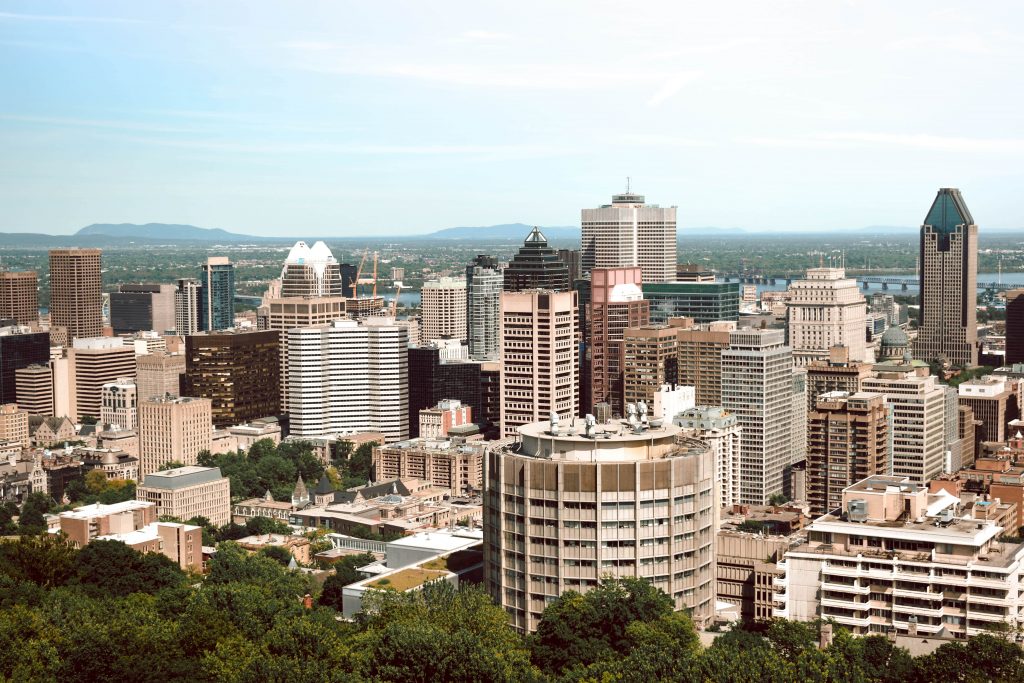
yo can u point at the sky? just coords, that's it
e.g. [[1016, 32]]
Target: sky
[[352, 118]]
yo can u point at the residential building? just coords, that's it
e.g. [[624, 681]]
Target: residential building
[[896, 558], [137, 308], [847, 441], [19, 297], [159, 374], [238, 371], [443, 309], [188, 492], [76, 292], [186, 307], [34, 388], [630, 233], [947, 321], [721, 431], [436, 422], [448, 463], [484, 284], [649, 362], [705, 302], [699, 357], [836, 373], [19, 348], [119, 403], [994, 402], [14, 425], [1014, 327], [536, 266], [757, 387], [567, 505], [216, 295], [824, 310], [93, 362], [539, 356], [173, 430], [616, 303]]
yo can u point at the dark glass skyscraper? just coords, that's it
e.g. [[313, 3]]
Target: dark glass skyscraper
[[217, 295], [536, 266], [18, 350]]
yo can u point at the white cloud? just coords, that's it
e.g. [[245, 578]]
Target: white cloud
[[914, 140], [673, 85]]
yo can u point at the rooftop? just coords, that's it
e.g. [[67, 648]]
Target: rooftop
[[103, 510], [181, 477]]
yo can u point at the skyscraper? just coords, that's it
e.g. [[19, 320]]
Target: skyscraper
[[484, 283], [311, 272], [240, 372], [172, 429], [186, 307], [628, 233], [536, 266], [76, 298], [443, 308], [1015, 326], [616, 303], [699, 358], [19, 297], [824, 310], [19, 348], [757, 386], [650, 360], [91, 364], [138, 308], [947, 324], [217, 295]]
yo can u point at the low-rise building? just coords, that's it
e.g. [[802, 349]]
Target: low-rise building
[[250, 508], [47, 432], [257, 430], [298, 546], [189, 492], [746, 566], [454, 464], [437, 421], [113, 463], [14, 424]]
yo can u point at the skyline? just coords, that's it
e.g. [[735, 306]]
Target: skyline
[[404, 119]]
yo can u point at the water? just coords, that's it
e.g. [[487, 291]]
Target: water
[[1009, 280]]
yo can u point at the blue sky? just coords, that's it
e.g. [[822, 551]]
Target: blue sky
[[347, 118]]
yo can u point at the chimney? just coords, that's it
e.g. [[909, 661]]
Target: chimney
[[307, 601]]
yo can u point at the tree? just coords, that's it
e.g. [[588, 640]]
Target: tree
[[31, 520], [171, 465], [112, 568], [344, 574], [89, 419], [278, 553], [46, 560], [7, 513], [96, 481]]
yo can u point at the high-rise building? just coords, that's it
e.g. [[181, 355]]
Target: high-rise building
[[571, 259], [19, 348], [536, 266], [947, 321], [1014, 326], [159, 374], [539, 357], [186, 307], [847, 440], [699, 357], [76, 297], [569, 505], [705, 302], [172, 429], [616, 303], [836, 373], [994, 401], [349, 377], [757, 386], [35, 388], [629, 233], [484, 284], [311, 272], [189, 492], [649, 361], [443, 309], [119, 403], [721, 431], [91, 364], [438, 379], [19, 296], [824, 310], [217, 295], [138, 308], [238, 371]]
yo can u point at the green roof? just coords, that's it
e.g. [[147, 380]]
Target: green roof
[[948, 211]]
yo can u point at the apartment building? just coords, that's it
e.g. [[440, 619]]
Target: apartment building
[[188, 492], [173, 430], [443, 309], [454, 464]]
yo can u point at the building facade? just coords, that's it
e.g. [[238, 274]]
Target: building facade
[[446, 463], [705, 302], [649, 362], [119, 403], [616, 303], [139, 308], [699, 358], [76, 300], [443, 309], [484, 284], [216, 295], [172, 430], [721, 431], [92, 363], [536, 266], [159, 374], [19, 348], [630, 233], [824, 310], [188, 492], [19, 296]]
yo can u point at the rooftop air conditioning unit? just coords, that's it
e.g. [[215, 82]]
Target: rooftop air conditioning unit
[[857, 510]]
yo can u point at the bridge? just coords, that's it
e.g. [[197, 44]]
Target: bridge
[[865, 281]]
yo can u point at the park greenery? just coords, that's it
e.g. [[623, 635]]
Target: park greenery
[[107, 612], [266, 467]]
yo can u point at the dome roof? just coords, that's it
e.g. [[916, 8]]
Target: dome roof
[[894, 336]]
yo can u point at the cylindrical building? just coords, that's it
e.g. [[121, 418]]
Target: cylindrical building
[[565, 508]]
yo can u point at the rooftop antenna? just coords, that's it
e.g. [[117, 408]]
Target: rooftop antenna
[[627, 184]]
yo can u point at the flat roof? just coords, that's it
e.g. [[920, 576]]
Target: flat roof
[[181, 477], [441, 540], [102, 510], [616, 431]]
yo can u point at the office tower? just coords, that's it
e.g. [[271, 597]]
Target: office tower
[[119, 403], [721, 431], [616, 303], [757, 386], [173, 429], [437, 379], [825, 310], [35, 388], [1014, 327], [917, 405], [19, 296], [159, 374], [139, 308], [311, 272], [19, 348], [885, 304], [649, 361], [571, 259], [186, 307], [629, 233], [240, 372], [349, 376], [443, 309], [699, 358], [563, 510], [91, 364], [705, 302], [188, 492], [847, 440], [947, 325], [484, 284], [536, 266], [217, 295], [837, 373], [14, 425], [965, 430], [76, 292], [994, 401], [539, 357]]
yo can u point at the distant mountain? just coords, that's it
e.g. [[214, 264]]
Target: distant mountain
[[505, 231], [165, 231]]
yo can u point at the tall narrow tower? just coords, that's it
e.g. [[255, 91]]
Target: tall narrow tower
[[217, 295], [947, 327], [75, 292]]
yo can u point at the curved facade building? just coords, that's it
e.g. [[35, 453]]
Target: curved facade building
[[311, 272], [564, 509]]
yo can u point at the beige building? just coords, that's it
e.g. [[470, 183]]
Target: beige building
[[699, 352], [257, 430], [119, 404], [159, 374], [747, 567], [173, 430], [539, 357], [649, 353], [114, 463], [825, 310], [19, 298], [836, 373], [14, 425], [34, 389], [76, 299], [436, 422], [443, 306], [629, 233], [568, 505], [918, 408], [994, 399], [721, 431], [188, 492], [92, 363], [451, 463]]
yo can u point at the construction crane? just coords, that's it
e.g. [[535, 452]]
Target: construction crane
[[394, 303], [360, 280]]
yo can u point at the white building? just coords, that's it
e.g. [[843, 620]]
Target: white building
[[186, 307], [900, 558], [628, 233], [671, 400], [483, 311], [349, 376], [918, 408], [443, 309], [119, 404], [720, 430], [826, 310]]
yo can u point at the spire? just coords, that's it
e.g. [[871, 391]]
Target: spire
[[300, 496], [536, 237], [948, 211]]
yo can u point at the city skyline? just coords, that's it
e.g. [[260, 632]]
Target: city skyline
[[300, 121]]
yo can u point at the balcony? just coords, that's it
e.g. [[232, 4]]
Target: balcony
[[844, 604], [837, 570], [985, 616], [920, 610], [780, 613], [923, 592], [844, 588], [988, 599], [862, 622], [779, 582]]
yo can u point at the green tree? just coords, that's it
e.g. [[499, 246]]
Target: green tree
[[277, 553], [31, 520], [46, 560], [7, 513], [345, 573], [112, 568]]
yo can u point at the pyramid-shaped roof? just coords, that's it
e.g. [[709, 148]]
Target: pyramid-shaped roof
[[948, 211]]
